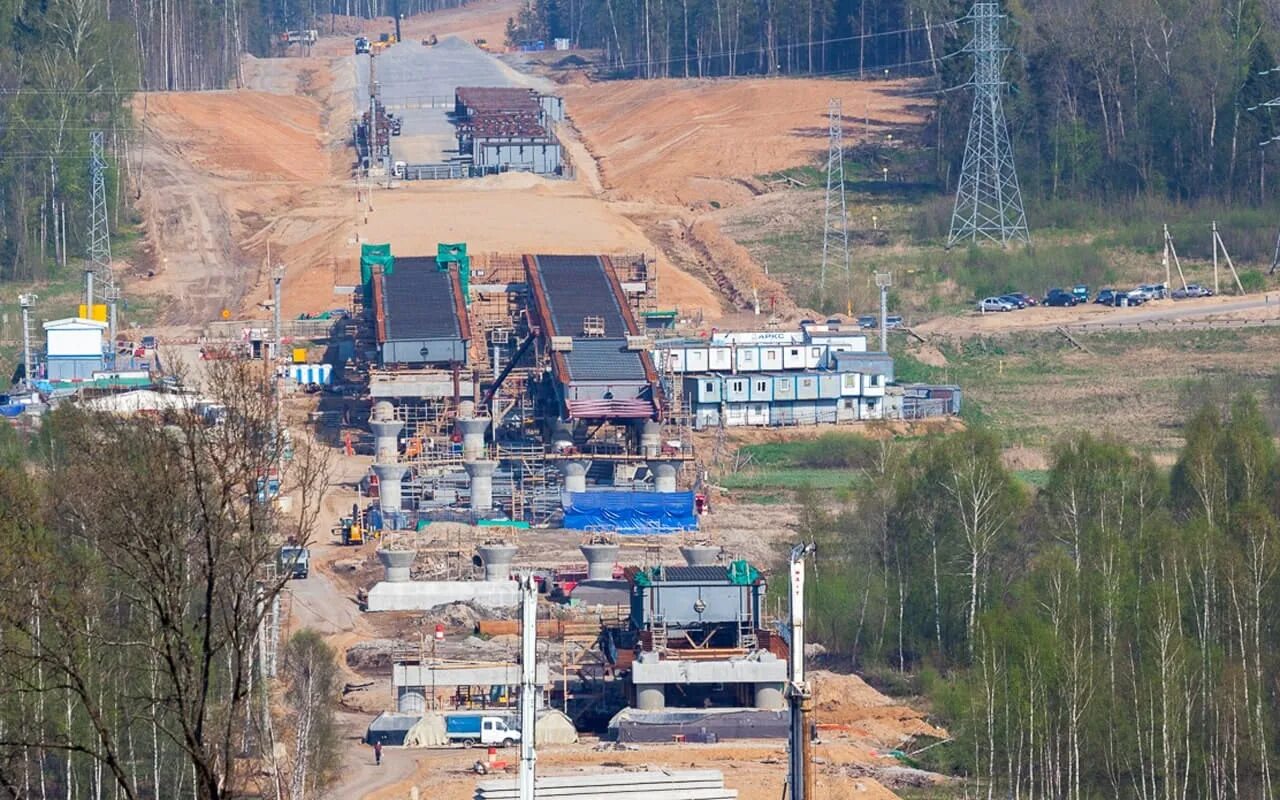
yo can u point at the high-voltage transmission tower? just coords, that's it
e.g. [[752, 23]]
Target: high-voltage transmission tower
[[835, 237], [97, 272], [988, 200]]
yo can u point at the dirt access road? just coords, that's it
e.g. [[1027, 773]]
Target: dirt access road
[[1204, 312], [228, 175]]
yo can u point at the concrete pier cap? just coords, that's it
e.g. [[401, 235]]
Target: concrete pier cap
[[397, 564], [664, 472], [650, 438], [497, 558], [481, 475], [575, 473], [601, 556], [386, 428], [382, 411], [700, 555], [389, 486], [385, 436], [561, 435], [472, 430]]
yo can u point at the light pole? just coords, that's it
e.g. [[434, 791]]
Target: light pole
[[26, 301], [884, 280]]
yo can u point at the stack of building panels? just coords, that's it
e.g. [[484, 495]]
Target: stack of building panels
[[686, 785]]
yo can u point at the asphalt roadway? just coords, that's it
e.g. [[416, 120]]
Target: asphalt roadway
[[416, 82]]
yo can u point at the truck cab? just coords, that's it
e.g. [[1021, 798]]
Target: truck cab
[[294, 562], [362, 45]]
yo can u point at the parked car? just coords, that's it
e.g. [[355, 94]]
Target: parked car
[[1014, 300], [868, 321], [893, 321], [1119, 297], [995, 304], [1192, 290], [1027, 299], [1155, 291], [1081, 292], [1060, 297], [149, 342]]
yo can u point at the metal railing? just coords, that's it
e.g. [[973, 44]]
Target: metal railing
[[424, 101]]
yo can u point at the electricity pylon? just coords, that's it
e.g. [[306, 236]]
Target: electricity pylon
[[988, 200], [98, 270], [835, 236]]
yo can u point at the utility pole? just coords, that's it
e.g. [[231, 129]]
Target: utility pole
[[988, 199], [1218, 244], [1171, 253], [528, 683], [835, 237], [277, 279], [799, 757], [884, 280], [26, 301]]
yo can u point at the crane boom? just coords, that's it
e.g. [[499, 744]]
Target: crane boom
[[799, 776]]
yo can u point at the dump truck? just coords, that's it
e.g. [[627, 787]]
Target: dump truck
[[472, 729]]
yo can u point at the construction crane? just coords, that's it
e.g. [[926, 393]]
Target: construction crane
[[799, 693]]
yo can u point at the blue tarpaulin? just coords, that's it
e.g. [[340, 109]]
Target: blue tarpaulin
[[630, 512]]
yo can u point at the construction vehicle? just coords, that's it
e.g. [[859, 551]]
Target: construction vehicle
[[299, 37], [294, 562], [352, 531], [362, 45], [352, 527], [472, 729]]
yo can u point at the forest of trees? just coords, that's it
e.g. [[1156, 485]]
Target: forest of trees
[[1112, 634], [1106, 100], [68, 67], [132, 639]]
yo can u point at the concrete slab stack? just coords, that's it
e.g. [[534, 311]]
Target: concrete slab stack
[[685, 785]]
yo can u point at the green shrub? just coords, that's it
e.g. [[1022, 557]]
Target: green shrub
[[1253, 280], [986, 271]]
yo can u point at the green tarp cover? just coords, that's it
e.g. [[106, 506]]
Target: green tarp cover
[[742, 574], [456, 253], [371, 254]]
